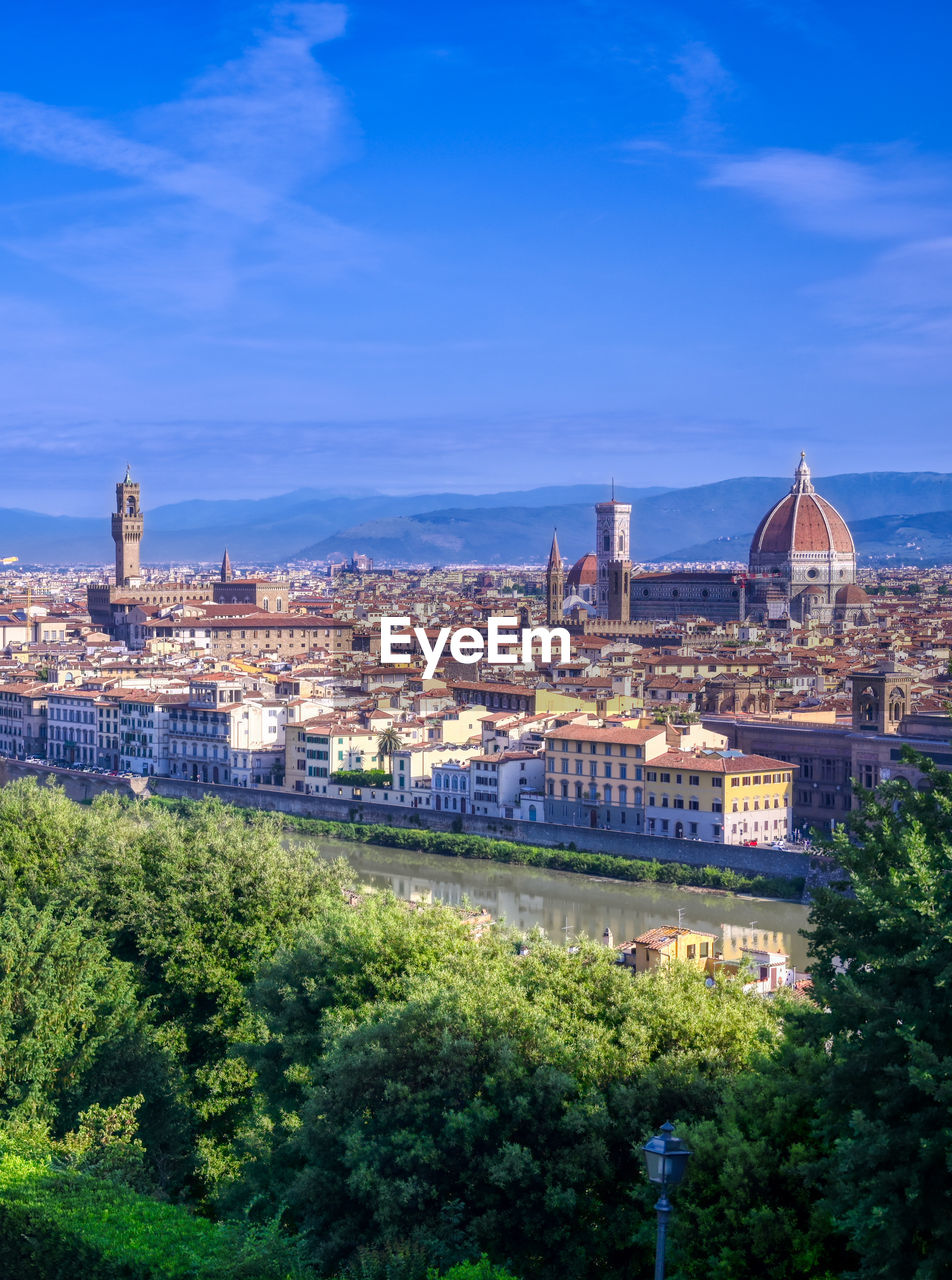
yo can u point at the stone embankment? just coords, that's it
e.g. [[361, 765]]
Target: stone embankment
[[695, 853]]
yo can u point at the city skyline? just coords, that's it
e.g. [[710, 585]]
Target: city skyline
[[344, 247]]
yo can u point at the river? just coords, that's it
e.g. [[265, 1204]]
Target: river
[[566, 904]]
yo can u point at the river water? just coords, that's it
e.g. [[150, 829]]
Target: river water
[[566, 904]]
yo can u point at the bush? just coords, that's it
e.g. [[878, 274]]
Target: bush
[[363, 778], [56, 1224]]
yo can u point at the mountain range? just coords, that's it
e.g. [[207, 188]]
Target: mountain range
[[902, 515]]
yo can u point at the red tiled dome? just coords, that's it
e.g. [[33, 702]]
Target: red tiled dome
[[802, 521], [851, 594], [583, 573]]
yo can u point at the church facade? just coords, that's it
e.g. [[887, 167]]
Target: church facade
[[801, 567]]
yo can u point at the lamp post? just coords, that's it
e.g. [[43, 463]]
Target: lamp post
[[666, 1159]]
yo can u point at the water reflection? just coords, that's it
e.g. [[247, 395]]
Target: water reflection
[[566, 905]]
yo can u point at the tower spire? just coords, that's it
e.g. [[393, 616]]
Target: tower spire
[[554, 584], [226, 574]]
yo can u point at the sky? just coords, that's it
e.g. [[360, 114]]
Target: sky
[[410, 246]]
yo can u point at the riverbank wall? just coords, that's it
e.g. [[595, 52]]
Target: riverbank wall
[[81, 787], [694, 853]]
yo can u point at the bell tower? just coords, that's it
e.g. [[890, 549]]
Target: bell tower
[[612, 549], [127, 531], [554, 586]]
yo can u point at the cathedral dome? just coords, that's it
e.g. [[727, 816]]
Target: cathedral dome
[[853, 594], [583, 573], [802, 522]]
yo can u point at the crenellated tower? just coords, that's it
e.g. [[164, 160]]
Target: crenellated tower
[[127, 531]]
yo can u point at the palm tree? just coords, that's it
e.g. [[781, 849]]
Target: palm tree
[[388, 742]]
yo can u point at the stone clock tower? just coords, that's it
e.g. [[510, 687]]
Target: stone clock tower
[[127, 531]]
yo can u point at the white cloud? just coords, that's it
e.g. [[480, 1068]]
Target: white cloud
[[887, 198], [205, 195], [702, 80]]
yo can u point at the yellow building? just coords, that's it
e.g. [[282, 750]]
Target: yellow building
[[722, 796], [666, 943]]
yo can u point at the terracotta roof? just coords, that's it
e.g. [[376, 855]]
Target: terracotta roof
[[585, 733]]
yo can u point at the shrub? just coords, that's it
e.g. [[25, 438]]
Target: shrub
[[58, 1225]]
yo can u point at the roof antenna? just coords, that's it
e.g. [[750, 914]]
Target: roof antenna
[[613, 488]]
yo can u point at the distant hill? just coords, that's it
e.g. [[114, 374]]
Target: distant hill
[[925, 538], [700, 523], [256, 530], [672, 525]]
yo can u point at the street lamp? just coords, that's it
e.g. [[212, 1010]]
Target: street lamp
[[666, 1159]]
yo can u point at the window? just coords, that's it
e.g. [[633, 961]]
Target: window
[[717, 807], [694, 803], [651, 776], [692, 950], [666, 777], [705, 950], [694, 780]]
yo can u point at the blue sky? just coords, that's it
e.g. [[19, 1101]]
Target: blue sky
[[409, 246]]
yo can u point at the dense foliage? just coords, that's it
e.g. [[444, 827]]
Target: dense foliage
[[363, 777], [195, 1016]]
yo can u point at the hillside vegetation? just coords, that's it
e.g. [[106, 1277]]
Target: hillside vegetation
[[209, 1050]]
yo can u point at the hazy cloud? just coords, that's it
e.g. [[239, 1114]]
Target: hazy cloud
[[204, 201], [701, 78], [880, 199]]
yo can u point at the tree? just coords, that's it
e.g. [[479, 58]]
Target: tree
[[62, 997], [388, 743], [882, 969], [474, 1098]]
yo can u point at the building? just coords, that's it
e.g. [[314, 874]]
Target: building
[[724, 797], [594, 777], [801, 566], [830, 757], [143, 737], [220, 735], [506, 784], [23, 718], [554, 585], [72, 726], [803, 561], [659, 946], [105, 601], [612, 550], [127, 527]]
